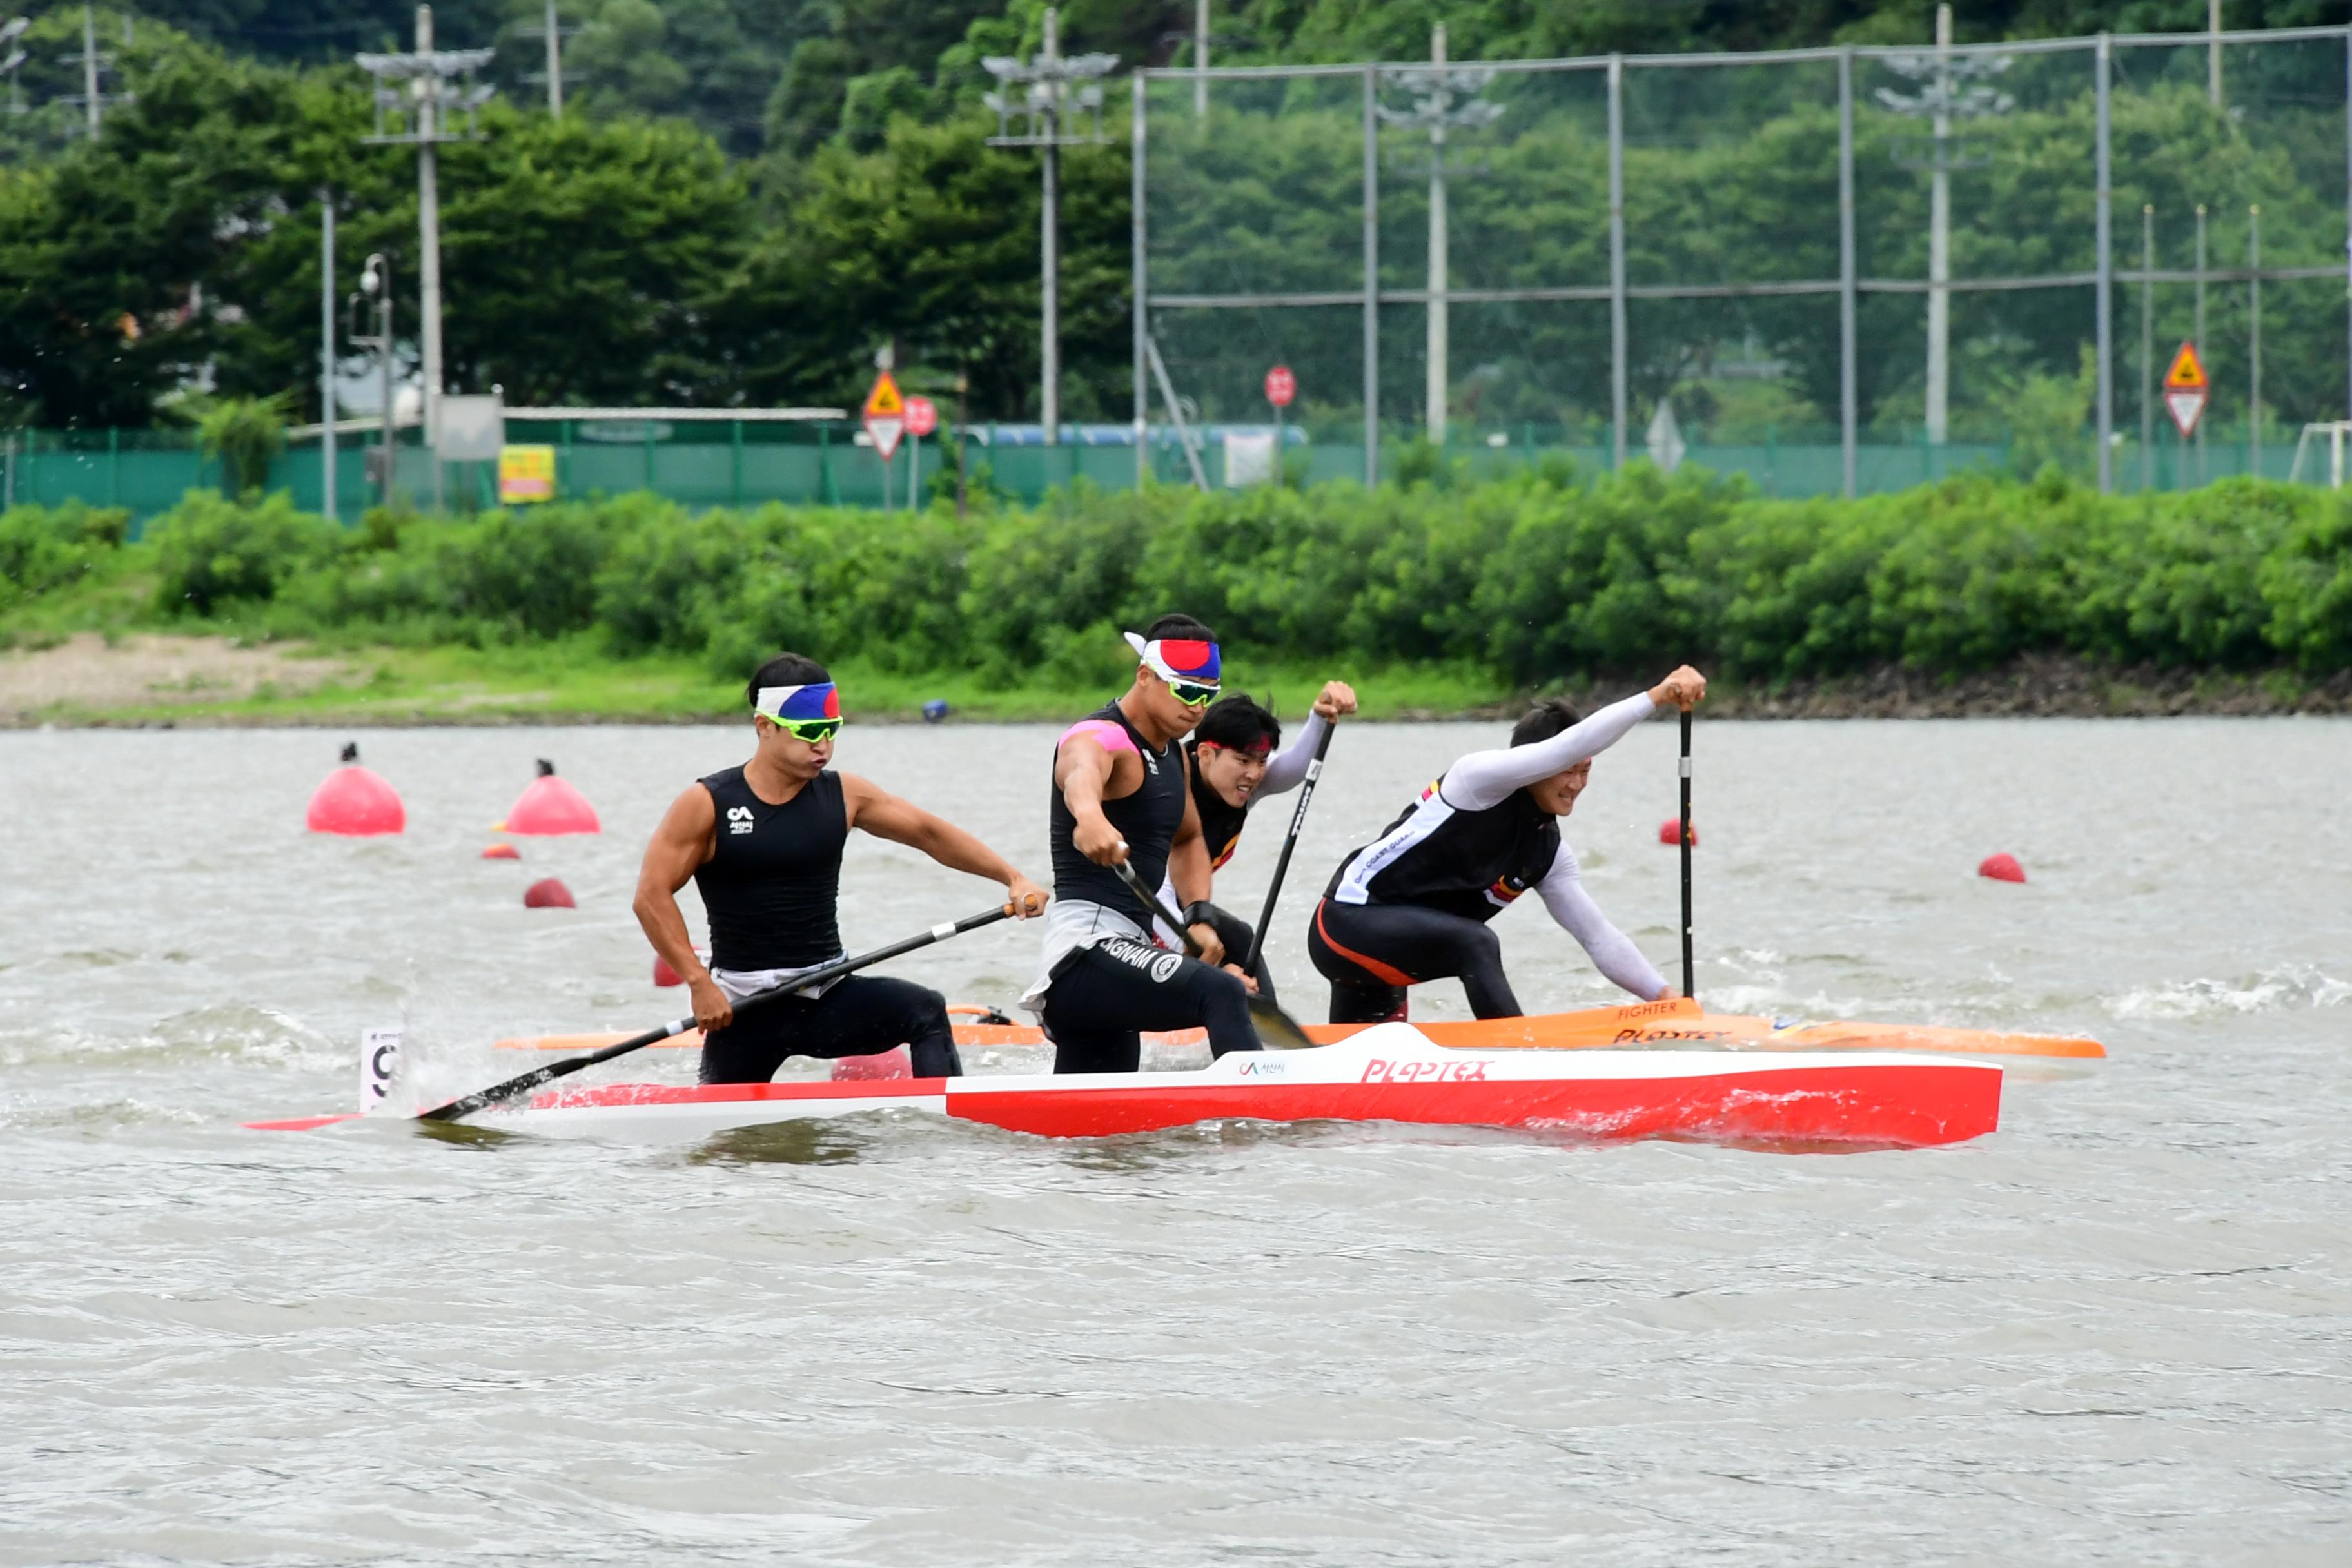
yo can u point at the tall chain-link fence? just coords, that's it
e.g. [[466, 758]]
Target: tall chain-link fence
[[1761, 246]]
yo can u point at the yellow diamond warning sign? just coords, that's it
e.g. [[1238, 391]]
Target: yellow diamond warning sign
[[885, 416], [2188, 372], [2186, 389]]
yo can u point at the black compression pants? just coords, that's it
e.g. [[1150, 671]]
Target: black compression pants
[[1370, 953], [1102, 996], [1237, 933], [858, 1017]]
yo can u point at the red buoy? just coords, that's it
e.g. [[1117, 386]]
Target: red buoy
[[548, 893], [663, 975], [882, 1065], [355, 801], [1670, 831], [551, 806], [2002, 867], [501, 852]]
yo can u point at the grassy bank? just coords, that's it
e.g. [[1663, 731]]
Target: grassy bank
[[1436, 598]]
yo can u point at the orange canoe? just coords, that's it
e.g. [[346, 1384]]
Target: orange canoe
[[1682, 1022]]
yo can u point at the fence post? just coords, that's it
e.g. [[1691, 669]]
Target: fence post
[[2255, 340], [650, 454], [825, 492], [1372, 277], [2147, 348], [2105, 56], [1135, 236], [113, 466], [1848, 393], [735, 485], [1617, 261]]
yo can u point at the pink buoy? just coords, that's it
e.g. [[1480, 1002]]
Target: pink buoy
[[1670, 831], [2001, 868], [355, 801], [663, 975], [551, 806], [882, 1065], [501, 852], [548, 893]]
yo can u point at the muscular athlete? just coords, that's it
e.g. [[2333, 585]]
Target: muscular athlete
[[1122, 794], [1412, 905], [764, 843], [1235, 766]]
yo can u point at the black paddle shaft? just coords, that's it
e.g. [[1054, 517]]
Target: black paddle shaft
[[537, 1077], [1289, 842], [1689, 988]]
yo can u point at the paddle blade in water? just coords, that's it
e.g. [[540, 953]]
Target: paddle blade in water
[[1276, 1030]]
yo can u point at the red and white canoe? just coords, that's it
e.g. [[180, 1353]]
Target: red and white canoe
[[1390, 1072]]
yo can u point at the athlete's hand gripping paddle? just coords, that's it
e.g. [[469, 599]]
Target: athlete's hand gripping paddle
[[1289, 842], [457, 1108], [1275, 1028]]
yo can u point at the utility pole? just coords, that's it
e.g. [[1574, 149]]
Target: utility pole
[[2213, 54], [429, 79], [11, 61], [1443, 98], [1201, 60], [93, 62], [1050, 79], [554, 32], [1942, 99]]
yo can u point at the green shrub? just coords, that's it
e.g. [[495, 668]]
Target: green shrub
[[1530, 579], [211, 552], [43, 549]]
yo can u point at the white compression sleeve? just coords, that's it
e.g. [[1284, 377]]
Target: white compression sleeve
[[1612, 951], [1483, 779], [1288, 769]]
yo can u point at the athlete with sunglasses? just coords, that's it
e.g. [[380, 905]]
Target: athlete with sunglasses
[[763, 843], [1122, 793]]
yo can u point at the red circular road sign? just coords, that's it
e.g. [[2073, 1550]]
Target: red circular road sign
[[922, 416], [1281, 387]]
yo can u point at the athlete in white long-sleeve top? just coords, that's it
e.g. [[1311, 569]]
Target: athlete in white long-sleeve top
[[1413, 904], [1235, 766]]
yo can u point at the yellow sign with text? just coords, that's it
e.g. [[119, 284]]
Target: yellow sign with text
[[526, 474]]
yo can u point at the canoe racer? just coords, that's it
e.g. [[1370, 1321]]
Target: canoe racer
[[1233, 767], [763, 843], [1122, 793], [1412, 905]]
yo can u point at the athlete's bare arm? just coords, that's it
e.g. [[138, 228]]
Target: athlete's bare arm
[[875, 810], [1087, 775], [684, 842]]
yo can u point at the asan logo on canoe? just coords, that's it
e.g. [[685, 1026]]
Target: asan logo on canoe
[[1377, 1070]]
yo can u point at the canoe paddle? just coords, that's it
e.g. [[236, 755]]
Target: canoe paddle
[[1689, 989], [457, 1108], [1275, 1027], [1297, 820]]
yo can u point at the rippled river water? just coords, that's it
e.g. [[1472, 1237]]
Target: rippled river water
[[2118, 1330]]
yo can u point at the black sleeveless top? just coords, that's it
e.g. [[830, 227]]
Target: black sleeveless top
[[1221, 824], [773, 881], [1474, 864], [1147, 820]]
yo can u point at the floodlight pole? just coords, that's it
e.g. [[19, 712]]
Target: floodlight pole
[[1440, 350], [89, 70], [327, 354], [1049, 247], [1939, 243], [554, 64]]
